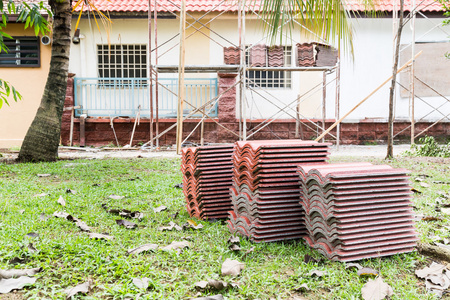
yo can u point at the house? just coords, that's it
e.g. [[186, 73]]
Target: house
[[25, 67], [113, 94]]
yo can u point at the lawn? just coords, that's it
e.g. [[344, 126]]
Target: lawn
[[68, 256]]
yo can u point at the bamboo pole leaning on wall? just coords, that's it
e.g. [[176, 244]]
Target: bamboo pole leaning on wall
[[181, 76]]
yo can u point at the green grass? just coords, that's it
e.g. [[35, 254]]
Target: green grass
[[68, 257]]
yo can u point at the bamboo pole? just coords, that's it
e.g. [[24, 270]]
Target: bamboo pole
[[181, 76], [363, 100], [324, 97], [150, 73]]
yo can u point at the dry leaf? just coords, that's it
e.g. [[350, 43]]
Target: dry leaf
[[143, 248], [62, 215], [43, 175], [178, 185], [70, 191], [41, 195], [43, 217], [141, 283], [302, 287], [367, 271], [61, 201], [308, 258], [424, 184], [172, 226], [446, 210], [179, 246], [6, 274], [232, 267], [317, 273], [31, 248], [98, 236], [416, 191], [434, 269], [434, 288], [126, 224], [124, 212], [116, 197], [21, 211], [376, 289], [191, 224], [81, 288], [82, 225], [160, 209], [201, 284], [7, 285], [32, 235], [353, 265], [215, 297], [419, 179], [431, 218], [234, 247], [234, 240]]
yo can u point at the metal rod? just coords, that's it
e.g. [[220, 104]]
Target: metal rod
[[155, 14], [324, 101], [241, 69], [411, 77], [150, 70], [244, 77], [181, 76], [337, 99]]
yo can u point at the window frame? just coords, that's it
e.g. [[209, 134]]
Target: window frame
[[37, 51], [273, 79], [122, 65]]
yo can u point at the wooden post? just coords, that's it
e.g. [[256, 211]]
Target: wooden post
[[82, 130], [297, 120], [202, 129], [181, 76]]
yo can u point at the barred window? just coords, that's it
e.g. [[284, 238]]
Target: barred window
[[271, 79], [122, 61], [22, 52]]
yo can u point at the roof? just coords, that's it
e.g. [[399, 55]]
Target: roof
[[231, 5]]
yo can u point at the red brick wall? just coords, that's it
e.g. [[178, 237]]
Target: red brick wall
[[99, 132]]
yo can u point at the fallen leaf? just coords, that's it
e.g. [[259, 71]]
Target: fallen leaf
[[178, 185], [353, 265], [160, 209], [179, 246], [201, 284], [98, 236], [126, 224], [302, 287], [190, 224], [234, 247], [418, 179], [82, 225], [234, 240], [249, 251], [32, 235], [434, 288], [376, 289], [81, 288], [416, 191], [124, 212], [31, 248], [433, 269], [317, 273], [70, 191], [6, 274], [232, 267], [41, 195], [215, 297], [143, 248], [116, 197], [7, 285], [43, 217], [424, 184], [431, 218], [61, 201], [18, 260], [141, 283], [367, 271], [172, 226], [175, 215], [43, 175], [62, 215], [308, 258], [446, 210], [21, 211]]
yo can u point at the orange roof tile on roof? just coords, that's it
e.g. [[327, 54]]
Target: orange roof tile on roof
[[232, 5]]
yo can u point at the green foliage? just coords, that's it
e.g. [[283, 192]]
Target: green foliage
[[7, 90], [429, 147]]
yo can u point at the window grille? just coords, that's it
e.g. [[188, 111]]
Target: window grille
[[122, 62], [271, 79], [22, 52]]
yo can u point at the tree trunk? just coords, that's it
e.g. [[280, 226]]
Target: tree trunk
[[390, 145], [42, 139]]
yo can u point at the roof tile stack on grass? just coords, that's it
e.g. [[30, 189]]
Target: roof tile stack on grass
[[355, 211], [207, 173], [266, 189]]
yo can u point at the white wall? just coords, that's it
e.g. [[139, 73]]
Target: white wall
[[371, 65]]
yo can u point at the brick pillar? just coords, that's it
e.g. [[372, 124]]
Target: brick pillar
[[227, 108], [66, 116]]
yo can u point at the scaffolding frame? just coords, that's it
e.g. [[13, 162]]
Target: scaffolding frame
[[291, 109]]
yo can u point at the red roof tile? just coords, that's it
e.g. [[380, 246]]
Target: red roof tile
[[219, 5]]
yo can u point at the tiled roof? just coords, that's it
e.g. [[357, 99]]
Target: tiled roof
[[219, 5]]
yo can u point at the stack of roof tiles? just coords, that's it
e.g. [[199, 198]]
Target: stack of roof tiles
[[265, 190], [276, 56], [231, 55], [207, 173], [306, 55], [258, 55], [326, 56], [357, 210]]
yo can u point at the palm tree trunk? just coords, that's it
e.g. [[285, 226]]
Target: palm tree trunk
[[42, 139], [390, 145]]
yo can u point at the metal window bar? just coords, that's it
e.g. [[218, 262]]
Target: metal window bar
[[122, 96]]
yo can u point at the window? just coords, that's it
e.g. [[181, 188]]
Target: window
[[22, 52], [271, 79], [122, 61]]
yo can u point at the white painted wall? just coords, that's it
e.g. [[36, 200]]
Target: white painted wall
[[370, 66]]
